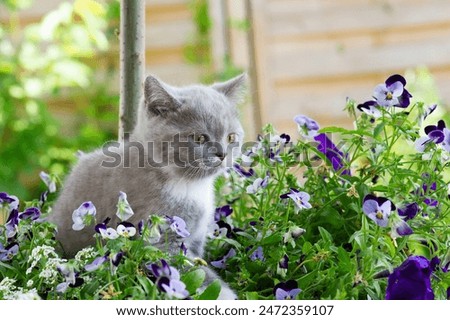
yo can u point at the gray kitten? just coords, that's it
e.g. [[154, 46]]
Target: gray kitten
[[182, 141]]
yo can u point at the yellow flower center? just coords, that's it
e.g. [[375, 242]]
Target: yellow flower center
[[379, 215], [389, 96]]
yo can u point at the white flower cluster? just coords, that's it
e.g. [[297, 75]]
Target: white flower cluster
[[46, 253], [11, 292], [85, 254]]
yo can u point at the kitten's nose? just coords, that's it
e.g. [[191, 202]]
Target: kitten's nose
[[221, 155]]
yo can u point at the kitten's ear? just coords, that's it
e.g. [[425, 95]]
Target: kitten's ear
[[233, 89], [157, 98]]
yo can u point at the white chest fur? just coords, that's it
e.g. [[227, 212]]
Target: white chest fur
[[199, 192]]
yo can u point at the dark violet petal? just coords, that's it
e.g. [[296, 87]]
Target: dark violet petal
[[436, 136], [409, 211], [431, 202], [32, 213], [441, 125], [117, 258], [394, 78], [403, 229], [430, 128], [411, 280], [366, 105], [284, 262]]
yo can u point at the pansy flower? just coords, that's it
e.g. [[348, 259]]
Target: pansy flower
[[293, 233], [183, 248], [174, 289], [258, 254], [332, 153], [378, 209], [126, 229], [105, 231], [411, 280], [178, 225], [31, 213], [400, 228], [222, 262], [11, 225], [392, 92], [286, 290], [258, 183], [96, 263], [50, 181], [163, 270], [115, 261], [370, 108], [8, 252], [436, 134], [218, 231], [307, 127], [8, 201], [243, 172], [409, 211], [71, 278], [283, 265], [222, 212], [300, 198], [124, 211], [83, 216]]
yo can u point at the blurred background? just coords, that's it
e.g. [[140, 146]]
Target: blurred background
[[59, 77]]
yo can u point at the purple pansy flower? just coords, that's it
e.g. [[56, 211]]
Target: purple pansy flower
[[400, 228], [221, 263], [105, 231], [83, 216], [115, 261], [333, 154], [435, 134], [126, 229], [242, 172], [409, 211], [300, 198], [378, 209], [392, 93], [286, 290], [163, 270], [49, 181], [411, 280], [222, 212], [183, 248], [258, 254], [31, 213], [96, 263], [8, 252], [11, 224], [71, 278], [9, 201], [178, 225], [370, 108], [284, 262], [175, 289], [258, 184], [218, 231], [124, 211], [307, 127]]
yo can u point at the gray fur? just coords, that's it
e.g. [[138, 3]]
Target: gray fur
[[171, 190]]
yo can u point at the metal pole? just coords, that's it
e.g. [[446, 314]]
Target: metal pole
[[132, 62]]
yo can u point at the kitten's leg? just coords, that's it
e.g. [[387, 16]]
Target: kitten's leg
[[226, 293]]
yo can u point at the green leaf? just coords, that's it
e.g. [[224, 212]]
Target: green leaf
[[272, 239], [212, 291], [251, 296], [378, 129], [193, 280], [325, 235], [146, 284]]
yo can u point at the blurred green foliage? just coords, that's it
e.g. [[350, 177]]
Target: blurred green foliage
[[61, 60]]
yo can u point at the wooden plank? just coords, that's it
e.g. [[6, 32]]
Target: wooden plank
[[169, 34], [323, 58], [287, 18]]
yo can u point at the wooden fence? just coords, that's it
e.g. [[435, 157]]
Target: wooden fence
[[303, 56]]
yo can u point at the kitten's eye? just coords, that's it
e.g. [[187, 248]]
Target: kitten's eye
[[200, 138], [232, 137]]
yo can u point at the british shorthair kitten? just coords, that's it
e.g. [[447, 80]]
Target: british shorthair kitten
[[183, 139]]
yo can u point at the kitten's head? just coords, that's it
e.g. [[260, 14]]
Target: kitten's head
[[195, 130]]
